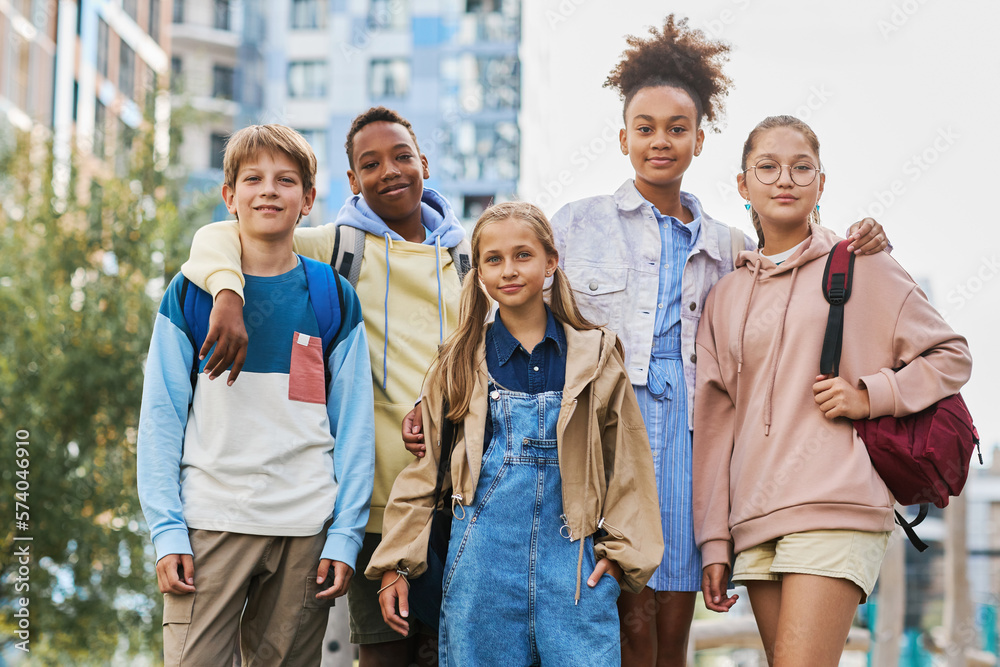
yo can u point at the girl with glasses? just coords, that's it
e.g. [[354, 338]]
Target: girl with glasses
[[781, 479]]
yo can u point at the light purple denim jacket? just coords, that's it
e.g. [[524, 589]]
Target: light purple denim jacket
[[609, 247]]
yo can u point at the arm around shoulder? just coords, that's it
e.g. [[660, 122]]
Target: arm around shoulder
[[216, 260], [316, 242]]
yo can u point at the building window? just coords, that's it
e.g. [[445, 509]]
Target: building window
[[307, 78], [218, 148], [175, 74], [100, 128], [389, 78], [388, 15], [481, 151], [123, 154], [308, 14], [126, 69], [178, 11], [154, 19], [489, 82], [223, 82], [317, 140], [131, 8], [222, 14], [482, 5], [474, 205], [152, 84], [102, 47]]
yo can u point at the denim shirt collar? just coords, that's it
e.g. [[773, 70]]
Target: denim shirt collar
[[627, 198], [505, 343]]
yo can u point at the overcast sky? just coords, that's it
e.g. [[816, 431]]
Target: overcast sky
[[902, 95]]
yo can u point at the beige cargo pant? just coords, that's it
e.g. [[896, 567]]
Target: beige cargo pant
[[258, 588]]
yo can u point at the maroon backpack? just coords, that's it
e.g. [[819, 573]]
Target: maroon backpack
[[922, 458]]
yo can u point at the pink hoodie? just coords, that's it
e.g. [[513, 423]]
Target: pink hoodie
[[767, 462]]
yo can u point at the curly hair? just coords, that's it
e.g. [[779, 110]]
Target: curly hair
[[374, 115], [677, 56]]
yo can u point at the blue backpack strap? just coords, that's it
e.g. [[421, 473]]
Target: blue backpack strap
[[327, 299], [197, 304]]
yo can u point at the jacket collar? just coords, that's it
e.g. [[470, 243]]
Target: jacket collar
[[587, 353], [627, 198]]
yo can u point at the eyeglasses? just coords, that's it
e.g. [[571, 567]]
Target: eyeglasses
[[769, 171]]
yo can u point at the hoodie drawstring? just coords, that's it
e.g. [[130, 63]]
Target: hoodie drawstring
[[385, 315], [754, 273], [777, 356]]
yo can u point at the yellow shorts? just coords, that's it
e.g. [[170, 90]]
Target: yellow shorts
[[842, 554]]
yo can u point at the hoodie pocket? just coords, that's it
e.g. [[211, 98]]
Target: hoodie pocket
[[600, 292]]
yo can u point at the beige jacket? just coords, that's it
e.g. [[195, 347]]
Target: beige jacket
[[605, 464]]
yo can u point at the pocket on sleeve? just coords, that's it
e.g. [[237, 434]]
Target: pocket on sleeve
[[306, 374]]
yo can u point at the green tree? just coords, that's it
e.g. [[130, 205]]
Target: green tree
[[80, 283]]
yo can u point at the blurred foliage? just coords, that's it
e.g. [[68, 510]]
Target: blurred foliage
[[80, 281]]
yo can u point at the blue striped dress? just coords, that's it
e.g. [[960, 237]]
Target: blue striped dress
[[663, 402]]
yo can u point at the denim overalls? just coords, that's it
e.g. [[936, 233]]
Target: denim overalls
[[511, 572]]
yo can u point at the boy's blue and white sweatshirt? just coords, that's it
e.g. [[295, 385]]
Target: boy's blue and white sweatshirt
[[274, 454]]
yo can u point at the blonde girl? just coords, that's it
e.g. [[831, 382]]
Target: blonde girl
[[551, 476]]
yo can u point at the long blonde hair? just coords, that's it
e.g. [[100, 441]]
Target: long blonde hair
[[454, 372], [770, 123]]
